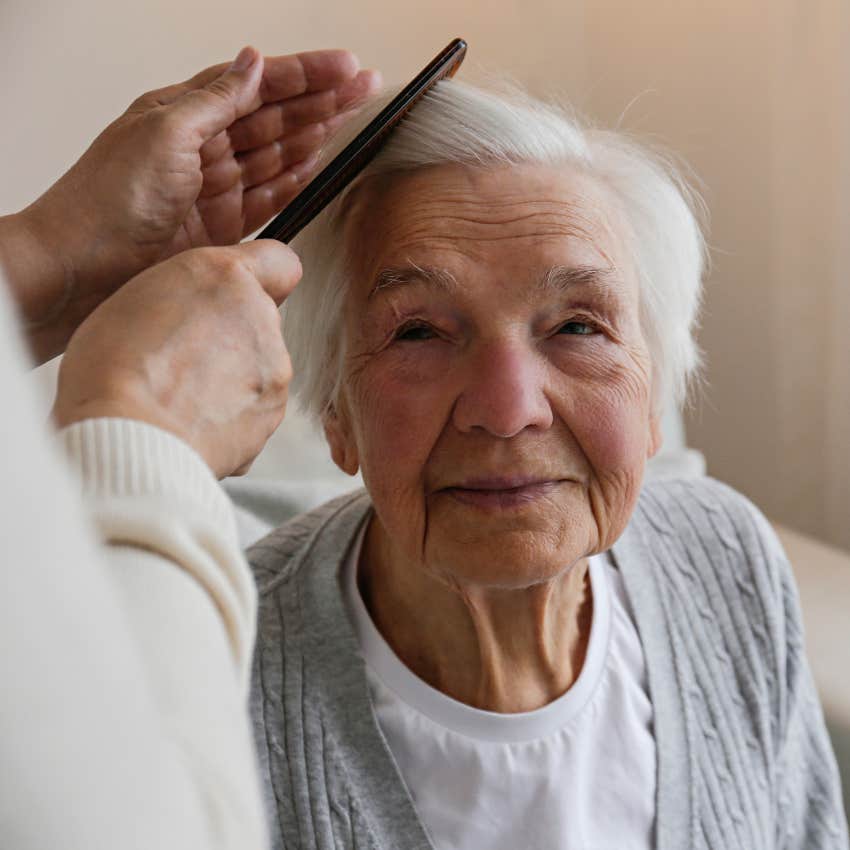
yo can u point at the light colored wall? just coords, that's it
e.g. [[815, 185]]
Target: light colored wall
[[755, 94]]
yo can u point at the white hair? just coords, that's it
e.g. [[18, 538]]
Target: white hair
[[459, 123]]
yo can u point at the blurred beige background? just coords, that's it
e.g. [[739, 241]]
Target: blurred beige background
[[755, 95]]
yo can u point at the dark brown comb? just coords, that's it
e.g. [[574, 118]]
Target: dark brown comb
[[354, 157]]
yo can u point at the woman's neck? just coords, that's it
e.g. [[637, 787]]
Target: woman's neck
[[495, 649]]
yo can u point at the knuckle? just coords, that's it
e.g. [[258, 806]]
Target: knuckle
[[279, 383], [216, 93], [214, 270], [222, 265], [142, 103], [230, 266], [276, 390], [277, 375], [217, 88], [162, 120], [162, 125], [188, 266], [202, 261]]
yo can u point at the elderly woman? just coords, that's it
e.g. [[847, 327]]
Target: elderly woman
[[509, 641]]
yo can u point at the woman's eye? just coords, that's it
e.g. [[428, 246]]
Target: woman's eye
[[415, 333], [578, 328]]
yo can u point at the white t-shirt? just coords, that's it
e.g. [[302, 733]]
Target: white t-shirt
[[577, 774]]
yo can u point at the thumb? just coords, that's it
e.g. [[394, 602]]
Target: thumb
[[275, 266], [235, 92]]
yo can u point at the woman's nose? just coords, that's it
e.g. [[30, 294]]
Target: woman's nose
[[503, 391]]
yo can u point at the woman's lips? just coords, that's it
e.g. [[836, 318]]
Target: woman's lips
[[501, 494]]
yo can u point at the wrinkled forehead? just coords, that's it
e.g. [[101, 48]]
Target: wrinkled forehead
[[474, 217]]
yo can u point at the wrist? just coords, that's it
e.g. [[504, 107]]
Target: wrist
[[118, 399], [108, 453], [38, 278], [67, 413], [41, 280]]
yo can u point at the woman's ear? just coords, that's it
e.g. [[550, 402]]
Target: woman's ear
[[340, 438]]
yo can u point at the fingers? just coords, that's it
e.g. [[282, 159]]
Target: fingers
[[266, 163], [275, 266], [272, 144], [262, 164], [254, 102], [209, 110], [275, 120], [289, 76], [169, 94], [237, 212], [262, 202], [279, 156], [294, 74], [283, 76]]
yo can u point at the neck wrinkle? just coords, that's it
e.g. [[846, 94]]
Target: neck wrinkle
[[497, 650]]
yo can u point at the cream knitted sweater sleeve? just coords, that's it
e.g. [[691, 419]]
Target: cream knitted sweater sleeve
[[126, 625]]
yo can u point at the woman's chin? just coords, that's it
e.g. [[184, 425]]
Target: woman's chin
[[514, 555]]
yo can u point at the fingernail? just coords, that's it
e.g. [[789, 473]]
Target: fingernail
[[244, 60]]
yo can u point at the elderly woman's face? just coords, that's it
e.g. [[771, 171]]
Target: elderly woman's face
[[496, 390]]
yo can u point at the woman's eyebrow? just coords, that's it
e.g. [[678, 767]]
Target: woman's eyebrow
[[402, 275], [600, 280]]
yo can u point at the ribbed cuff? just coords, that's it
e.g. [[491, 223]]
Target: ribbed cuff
[[147, 488], [115, 458]]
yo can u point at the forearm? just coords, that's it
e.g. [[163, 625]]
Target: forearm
[[198, 695], [188, 601], [42, 282], [145, 488]]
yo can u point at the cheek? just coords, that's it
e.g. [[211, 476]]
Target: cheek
[[606, 405], [613, 436], [400, 404], [607, 412]]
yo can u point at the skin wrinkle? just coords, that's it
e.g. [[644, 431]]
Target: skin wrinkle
[[492, 608], [599, 281], [579, 222]]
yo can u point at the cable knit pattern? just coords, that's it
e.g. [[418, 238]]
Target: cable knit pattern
[[744, 760]]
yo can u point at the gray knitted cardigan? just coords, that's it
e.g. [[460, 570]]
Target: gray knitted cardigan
[[743, 756]]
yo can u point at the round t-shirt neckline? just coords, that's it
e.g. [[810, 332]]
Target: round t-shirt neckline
[[457, 716]]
